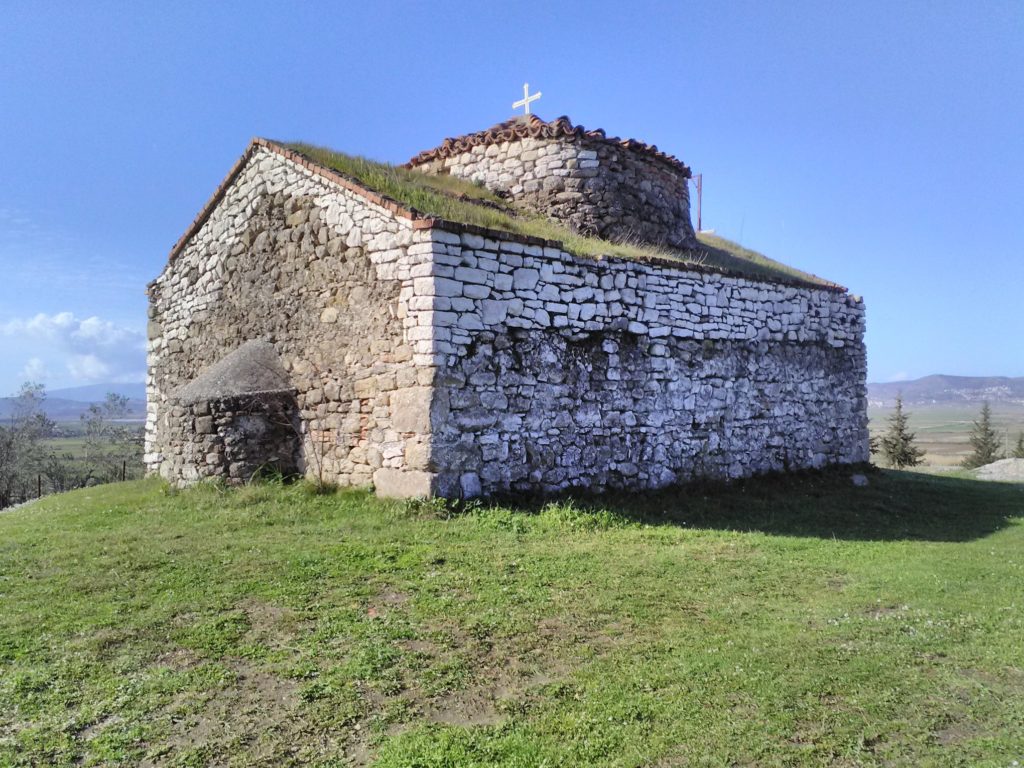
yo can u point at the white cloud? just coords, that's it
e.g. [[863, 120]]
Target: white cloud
[[88, 368], [64, 325], [901, 376], [91, 349], [35, 370], [103, 332]]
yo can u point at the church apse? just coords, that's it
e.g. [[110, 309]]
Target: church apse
[[615, 189]]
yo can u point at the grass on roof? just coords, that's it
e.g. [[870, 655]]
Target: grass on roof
[[462, 201]]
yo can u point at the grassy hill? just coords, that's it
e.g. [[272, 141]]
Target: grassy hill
[[63, 410], [796, 621], [941, 390], [65, 405]]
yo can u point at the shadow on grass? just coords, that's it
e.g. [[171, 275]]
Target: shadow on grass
[[826, 504]]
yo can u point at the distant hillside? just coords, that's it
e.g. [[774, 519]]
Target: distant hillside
[[945, 390], [69, 404], [94, 393]]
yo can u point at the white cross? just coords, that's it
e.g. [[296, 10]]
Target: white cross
[[527, 98]]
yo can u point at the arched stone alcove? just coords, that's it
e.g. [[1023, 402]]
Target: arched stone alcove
[[237, 418]]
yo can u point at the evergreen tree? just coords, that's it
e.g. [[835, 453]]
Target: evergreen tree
[[984, 441], [897, 444], [1018, 451]]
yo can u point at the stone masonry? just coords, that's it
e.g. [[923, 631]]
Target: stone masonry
[[429, 357], [623, 191], [321, 273], [232, 438], [558, 371]]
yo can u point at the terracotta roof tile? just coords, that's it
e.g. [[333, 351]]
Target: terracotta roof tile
[[533, 127]]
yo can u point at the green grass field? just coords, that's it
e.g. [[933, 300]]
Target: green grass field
[[943, 430], [74, 445], [778, 622], [74, 453]]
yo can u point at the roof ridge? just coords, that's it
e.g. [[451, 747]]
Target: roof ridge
[[534, 127], [422, 220], [296, 157]]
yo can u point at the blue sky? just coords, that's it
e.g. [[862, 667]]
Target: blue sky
[[876, 144]]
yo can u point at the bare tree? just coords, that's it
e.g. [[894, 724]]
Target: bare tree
[[111, 446], [65, 473], [21, 449]]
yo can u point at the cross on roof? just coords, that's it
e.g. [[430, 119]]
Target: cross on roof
[[527, 98]]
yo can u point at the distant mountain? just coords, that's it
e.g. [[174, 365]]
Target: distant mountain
[[945, 390], [95, 393], [69, 404]]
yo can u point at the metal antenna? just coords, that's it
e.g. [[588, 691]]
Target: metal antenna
[[700, 200]]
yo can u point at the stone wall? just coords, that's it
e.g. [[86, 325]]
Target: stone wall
[[560, 371], [324, 275], [596, 187], [231, 438], [426, 357]]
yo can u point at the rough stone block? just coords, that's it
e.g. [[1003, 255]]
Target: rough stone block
[[392, 483], [469, 483], [445, 287], [471, 275], [494, 312], [410, 409], [525, 278]]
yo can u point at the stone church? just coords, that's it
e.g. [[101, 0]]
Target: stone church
[[522, 309]]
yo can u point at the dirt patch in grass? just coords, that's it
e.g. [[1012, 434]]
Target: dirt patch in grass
[[177, 659], [837, 584], [264, 716], [502, 679], [107, 641], [392, 597], [387, 601], [251, 711], [955, 734], [957, 723], [265, 617], [478, 705], [425, 647], [257, 714], [504, 675], [879, 612], [1010, 680], [271, 625], [92, 731]]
